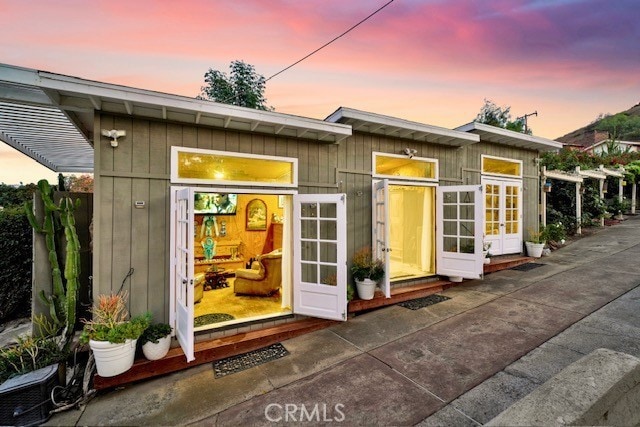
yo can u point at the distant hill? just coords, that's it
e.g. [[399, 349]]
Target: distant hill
[[588, 135]]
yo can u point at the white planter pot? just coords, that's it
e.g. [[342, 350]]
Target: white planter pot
[[153, 351], [487, 260], [534, 249], [366, 288], [113, 359]]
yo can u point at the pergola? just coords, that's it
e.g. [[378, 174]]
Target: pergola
[[578, 177]]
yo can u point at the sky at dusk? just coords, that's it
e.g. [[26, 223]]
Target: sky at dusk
[[431, 61]]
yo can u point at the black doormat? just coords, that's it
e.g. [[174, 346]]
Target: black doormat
[[526, 267], [419, 303], [207, 319], [238, 363]]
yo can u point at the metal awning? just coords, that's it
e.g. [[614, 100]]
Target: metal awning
[[390, 126], [50, 117], [498, 135]]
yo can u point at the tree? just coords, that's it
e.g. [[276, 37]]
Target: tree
[[620, 126], [492, 114], [79, 184], [243, 86]]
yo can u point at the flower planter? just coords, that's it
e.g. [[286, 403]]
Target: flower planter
[[534, 249], [366, 288], [487, 260], [153, 351], [113, 359]]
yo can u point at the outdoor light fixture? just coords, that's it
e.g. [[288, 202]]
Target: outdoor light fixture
[[114, 134], [410, 152]]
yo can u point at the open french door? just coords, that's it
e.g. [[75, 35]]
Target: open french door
[[320, 260], [459, 231], [182, 278], [380, 238]]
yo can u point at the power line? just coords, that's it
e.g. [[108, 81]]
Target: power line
[[333, 40]]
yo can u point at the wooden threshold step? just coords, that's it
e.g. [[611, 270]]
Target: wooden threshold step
[[209, 351], [498, 264], [400, 294]]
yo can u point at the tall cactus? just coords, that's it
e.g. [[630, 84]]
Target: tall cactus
[[62, 301]]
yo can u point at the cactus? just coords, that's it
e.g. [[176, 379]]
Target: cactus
[[62, 301]]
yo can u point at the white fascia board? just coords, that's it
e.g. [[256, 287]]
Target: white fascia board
[[399, 124], [98, 91], [516, 136], [160, 99]]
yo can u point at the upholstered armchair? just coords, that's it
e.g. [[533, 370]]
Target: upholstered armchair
[[198, 287], [263, 278]]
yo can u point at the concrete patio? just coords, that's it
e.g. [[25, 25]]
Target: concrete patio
[[458, 362]]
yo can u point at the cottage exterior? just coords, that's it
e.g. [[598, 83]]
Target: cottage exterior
[[307, 192]]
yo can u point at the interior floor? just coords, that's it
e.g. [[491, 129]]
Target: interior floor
[[225, 301], [403, 271]]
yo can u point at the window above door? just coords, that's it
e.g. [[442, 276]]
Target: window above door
[[198, 166], [395, 166], [500, 166]]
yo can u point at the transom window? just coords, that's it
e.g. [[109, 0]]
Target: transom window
[[396, 166], [197, 166], [500, 166]]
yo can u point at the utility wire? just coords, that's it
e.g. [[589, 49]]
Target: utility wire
[[224, 101], [333, 40]]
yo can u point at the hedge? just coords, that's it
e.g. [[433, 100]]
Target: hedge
[[15, 264]]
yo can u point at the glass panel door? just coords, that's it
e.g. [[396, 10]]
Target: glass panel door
[[320, 265], [183, 274], [503, 215], [459, 232]]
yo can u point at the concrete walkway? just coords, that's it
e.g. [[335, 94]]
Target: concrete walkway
[[459, 362]]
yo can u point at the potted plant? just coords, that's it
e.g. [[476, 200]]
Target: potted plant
[[112, 336], [156, 340], [366, 272], [486, 246], [535, 243]]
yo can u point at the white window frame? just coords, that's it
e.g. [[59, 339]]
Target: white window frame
[[376, 154], [175, 179], [502, 175]]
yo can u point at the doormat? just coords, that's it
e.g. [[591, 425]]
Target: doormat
[[526, 267], [239, 363], [207, 319], [416, 304]]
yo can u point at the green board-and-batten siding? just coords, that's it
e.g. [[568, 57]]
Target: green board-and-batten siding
[[139, 169]]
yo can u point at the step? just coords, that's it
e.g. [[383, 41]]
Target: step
[[506, 262], [399, 294]]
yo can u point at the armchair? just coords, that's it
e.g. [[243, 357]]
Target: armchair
[[263, 278]]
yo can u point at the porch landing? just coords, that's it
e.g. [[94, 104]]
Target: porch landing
[[209, 351]]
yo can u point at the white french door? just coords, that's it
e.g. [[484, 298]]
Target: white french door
[[459, 231], [320, 260], [182, 286], [503, 215], [380, 238]]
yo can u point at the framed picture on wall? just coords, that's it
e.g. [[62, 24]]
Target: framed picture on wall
[[256, 215]]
